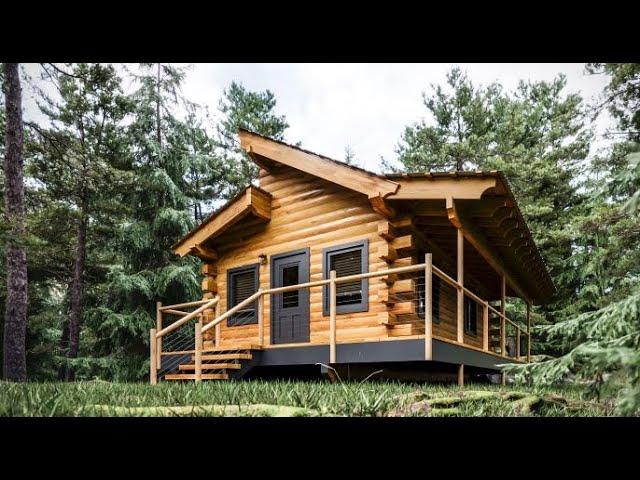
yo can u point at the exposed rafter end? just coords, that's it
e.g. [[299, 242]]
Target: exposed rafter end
[[452, 213], [204, 253], [380, 207]]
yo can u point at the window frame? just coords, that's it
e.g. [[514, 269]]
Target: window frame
[[233, 320], [363, 305], [467, 317]]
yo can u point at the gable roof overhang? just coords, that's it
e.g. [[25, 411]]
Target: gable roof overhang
[[252, 201], [267, 152]]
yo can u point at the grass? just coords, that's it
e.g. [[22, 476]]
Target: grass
[[99, 398]]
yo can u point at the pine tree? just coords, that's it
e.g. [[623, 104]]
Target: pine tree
[[350, 156], [461, 132], [536, 135], [208, 177], [15, 315], [159, 213], [79, 152], [601, 342], [253, 111]]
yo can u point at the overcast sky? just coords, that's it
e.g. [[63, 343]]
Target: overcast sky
[[365, 106]]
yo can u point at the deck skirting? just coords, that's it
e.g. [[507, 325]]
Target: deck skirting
[[411, 350]]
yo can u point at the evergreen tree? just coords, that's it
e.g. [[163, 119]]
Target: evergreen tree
[[80, 151], [159, 213], [461, 132], [535, 135], [350, 156], [207, 177], [602, 341], [242, 108]]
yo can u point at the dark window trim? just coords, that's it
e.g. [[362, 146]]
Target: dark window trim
[[467, 317], [363, 306], [233, 320]]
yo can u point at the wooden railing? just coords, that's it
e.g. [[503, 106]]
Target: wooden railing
[[158, 333], [332, 282]]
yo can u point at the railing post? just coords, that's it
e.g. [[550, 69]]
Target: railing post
[[153, 366], [518, 343], [159, 340], [485, 326], [217, 327], [198, 348], [261, 320], [460, 309], [528, 332], [332, 317], [428, 299]]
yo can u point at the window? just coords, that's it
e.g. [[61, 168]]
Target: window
[[351, 259], [435, 297], [242, 282], [470, 316], [290, 277]]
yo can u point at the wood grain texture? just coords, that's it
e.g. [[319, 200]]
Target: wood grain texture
[[307, 212]]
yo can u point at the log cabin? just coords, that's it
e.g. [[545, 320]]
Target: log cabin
[[326, 267]]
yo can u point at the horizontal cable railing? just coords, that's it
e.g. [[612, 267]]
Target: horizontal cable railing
[[479, 325], [170, 345]]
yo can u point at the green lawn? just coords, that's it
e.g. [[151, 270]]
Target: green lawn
[[290, 398]]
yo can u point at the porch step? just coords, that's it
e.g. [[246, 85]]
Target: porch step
[[236, 348], [192, 376], [225, 356], [211, 366]]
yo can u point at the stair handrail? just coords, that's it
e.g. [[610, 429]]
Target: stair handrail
[[211, 303], [232, 310]]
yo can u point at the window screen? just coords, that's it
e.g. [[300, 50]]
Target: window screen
[[470, 316], [347, 260], [241, 284]]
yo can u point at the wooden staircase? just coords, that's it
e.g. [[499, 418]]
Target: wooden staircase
[[218, 363]]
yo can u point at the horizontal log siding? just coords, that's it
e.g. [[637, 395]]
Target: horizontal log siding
[[306, 212]]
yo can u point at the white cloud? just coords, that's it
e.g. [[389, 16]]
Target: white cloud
[[366, 106]]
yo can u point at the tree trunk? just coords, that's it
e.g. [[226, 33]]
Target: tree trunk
[[77, 288], [15, 316]]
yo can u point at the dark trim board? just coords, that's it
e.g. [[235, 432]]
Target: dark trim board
[[411, 350], [448, 353]]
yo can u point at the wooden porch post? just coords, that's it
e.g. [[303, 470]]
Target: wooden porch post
[[198, 348], [428, 299], [461, 375], [485, 326], [518, 343], [528, 332], [261, 320], [158, 328], [153, 365], [332, 317], [503, 323], [460, 262]]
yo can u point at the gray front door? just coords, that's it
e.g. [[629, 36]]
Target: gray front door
[[290, 310]]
